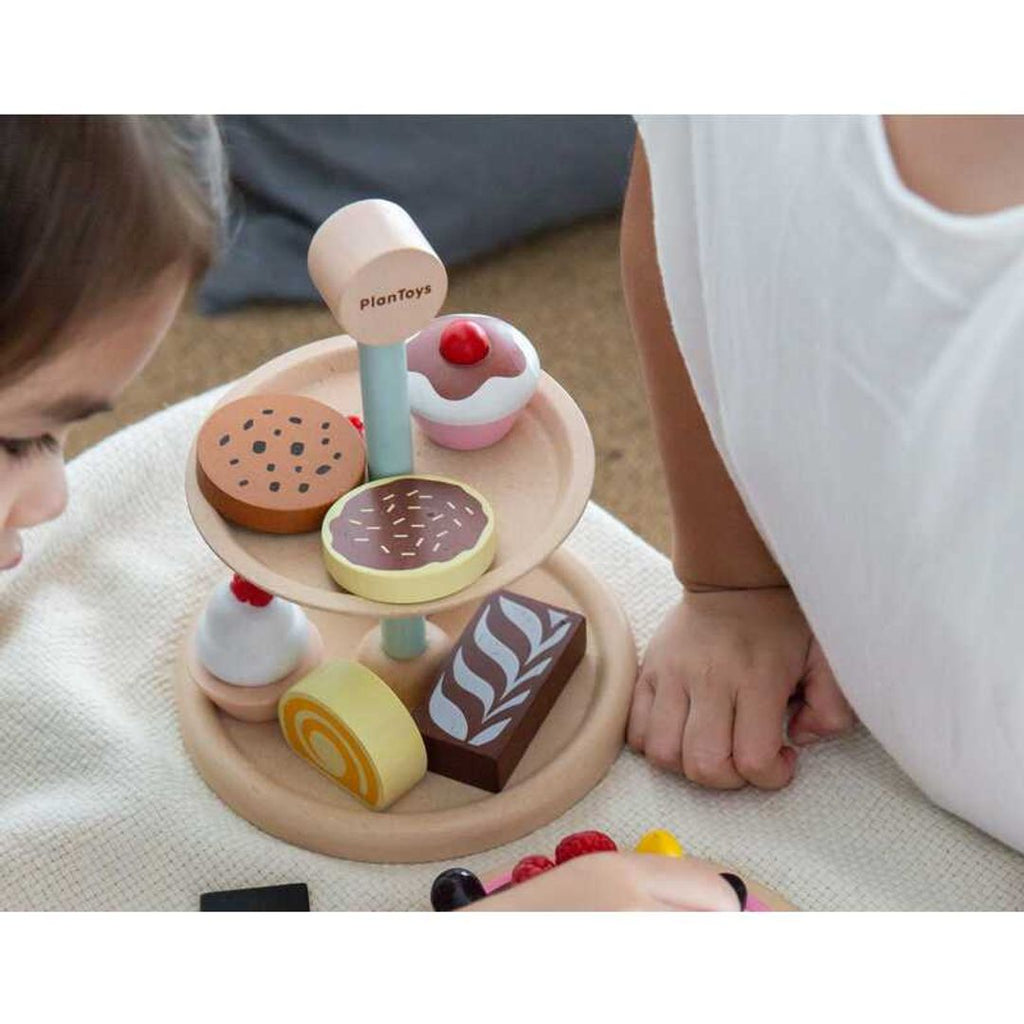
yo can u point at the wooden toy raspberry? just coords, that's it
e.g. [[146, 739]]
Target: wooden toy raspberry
[[464, 342], [580, 843], [530, 867]]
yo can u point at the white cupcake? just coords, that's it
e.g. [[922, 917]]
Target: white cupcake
[[248, 637]]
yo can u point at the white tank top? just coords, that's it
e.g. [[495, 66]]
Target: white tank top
[[859, 356]]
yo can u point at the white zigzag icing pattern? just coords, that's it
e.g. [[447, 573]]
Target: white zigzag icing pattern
[[449, 717]]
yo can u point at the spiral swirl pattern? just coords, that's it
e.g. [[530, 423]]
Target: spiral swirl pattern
[[329, 744], [346, 722]]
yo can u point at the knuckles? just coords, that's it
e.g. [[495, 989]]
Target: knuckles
[[662, 756], [765, 770], [834, 721], [707, 769], [753, 765]]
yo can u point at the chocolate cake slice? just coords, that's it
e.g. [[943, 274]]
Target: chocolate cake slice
[[502, 678]]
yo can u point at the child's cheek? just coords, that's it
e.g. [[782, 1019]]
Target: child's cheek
[[38, 490]]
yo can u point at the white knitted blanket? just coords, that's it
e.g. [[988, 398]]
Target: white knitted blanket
[[100, 807]]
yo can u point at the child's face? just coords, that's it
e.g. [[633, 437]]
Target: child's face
[[86, 376]]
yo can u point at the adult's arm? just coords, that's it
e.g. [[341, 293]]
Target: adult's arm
[[714, 543]]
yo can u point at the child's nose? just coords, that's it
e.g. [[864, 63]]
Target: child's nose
[[44, 495]]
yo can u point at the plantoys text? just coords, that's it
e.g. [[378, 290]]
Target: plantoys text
[[402, 295]]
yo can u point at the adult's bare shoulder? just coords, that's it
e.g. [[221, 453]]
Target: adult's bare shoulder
[[965, 165]]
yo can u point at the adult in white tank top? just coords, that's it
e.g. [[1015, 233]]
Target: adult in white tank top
[[857, 353]]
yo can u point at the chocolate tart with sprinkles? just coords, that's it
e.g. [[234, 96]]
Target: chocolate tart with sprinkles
[[276, 463], [408, 539]]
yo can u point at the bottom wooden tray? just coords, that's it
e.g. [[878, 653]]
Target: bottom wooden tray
[[253, 771]]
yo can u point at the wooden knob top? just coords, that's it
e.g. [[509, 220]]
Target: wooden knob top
[[377, 272]]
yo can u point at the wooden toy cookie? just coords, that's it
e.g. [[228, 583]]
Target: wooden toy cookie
[[469, 378], [346, 722], [407, 539], [502, 678], [276, 463]]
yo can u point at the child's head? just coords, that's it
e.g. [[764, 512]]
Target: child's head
[[105, 221]]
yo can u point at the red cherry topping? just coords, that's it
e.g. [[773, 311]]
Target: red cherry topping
[[249, 593], [464, 342], [357, 423]]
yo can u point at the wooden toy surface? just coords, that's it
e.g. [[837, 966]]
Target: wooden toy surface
[[537, 479], [252, 769]]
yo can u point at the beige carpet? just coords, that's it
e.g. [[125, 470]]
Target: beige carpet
[[562, 289]]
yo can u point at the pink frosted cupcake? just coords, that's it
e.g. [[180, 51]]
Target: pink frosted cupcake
[[469, 378]]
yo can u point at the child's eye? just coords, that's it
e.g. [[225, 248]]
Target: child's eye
[[25, 447]]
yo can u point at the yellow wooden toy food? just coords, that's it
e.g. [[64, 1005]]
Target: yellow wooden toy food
[[660, 841], [345, 721], [407, 539]]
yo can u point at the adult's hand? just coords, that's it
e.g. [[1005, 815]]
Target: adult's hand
[[619, 881]]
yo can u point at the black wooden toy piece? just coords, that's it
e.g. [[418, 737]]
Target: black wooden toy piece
[[455, 888], [738, 886], [269, 897]]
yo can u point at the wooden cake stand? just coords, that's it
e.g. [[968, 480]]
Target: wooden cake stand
[[538, 480]]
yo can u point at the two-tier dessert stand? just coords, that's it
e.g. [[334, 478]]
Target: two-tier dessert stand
[[538, 480]]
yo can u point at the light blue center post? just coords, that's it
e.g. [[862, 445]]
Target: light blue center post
[[385, 386]]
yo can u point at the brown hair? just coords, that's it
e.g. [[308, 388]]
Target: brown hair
[[92, 210]]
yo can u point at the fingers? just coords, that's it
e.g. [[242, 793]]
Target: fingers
[[759, 745], [825, 711], [708, 737], [683, 734], [618, 881], [640, 712], [668, 883], [663, 742]]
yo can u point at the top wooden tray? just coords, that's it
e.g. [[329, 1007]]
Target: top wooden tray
[[538, 480]]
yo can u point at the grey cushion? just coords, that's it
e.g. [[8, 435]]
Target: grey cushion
[[473, 184]]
